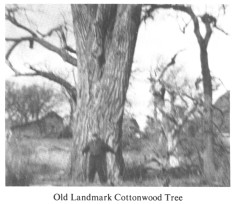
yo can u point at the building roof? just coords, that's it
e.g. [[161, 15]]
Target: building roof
[[38, 122]]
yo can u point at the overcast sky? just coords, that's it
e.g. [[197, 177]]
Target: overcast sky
[[156, 38]]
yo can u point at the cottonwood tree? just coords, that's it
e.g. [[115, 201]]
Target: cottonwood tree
[[105, 39], [210, 23], [105, 43]]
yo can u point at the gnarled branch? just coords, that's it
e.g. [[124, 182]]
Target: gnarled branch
[[62, 53], [48, 75], [10, 16]]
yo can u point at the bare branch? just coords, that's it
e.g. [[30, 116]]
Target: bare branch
[[185, 26], [70, 49], [220, 29], [48, 75], [182, 98], [206, 19], [11, 49], [62, 53], [171, 63], [50, 32], [186, 9], [148, 13], [12, 67], [222, 9], [11, 18], [51, 76]]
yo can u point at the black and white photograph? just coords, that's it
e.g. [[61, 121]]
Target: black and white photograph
[[118, 95]]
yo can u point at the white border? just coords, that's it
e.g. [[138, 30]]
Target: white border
[[43, 195]]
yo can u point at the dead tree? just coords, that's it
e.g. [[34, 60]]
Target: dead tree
[[209, 22]]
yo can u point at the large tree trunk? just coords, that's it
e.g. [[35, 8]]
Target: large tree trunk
[[105, 41]]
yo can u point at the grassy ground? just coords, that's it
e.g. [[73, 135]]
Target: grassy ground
[[36, 161], [44, 162]]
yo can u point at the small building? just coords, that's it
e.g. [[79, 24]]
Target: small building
[[49, 126]]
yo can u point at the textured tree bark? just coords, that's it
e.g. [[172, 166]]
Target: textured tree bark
[[105, 41], [208, 154]]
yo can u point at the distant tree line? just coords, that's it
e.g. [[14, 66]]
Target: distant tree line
[[29, 103]]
